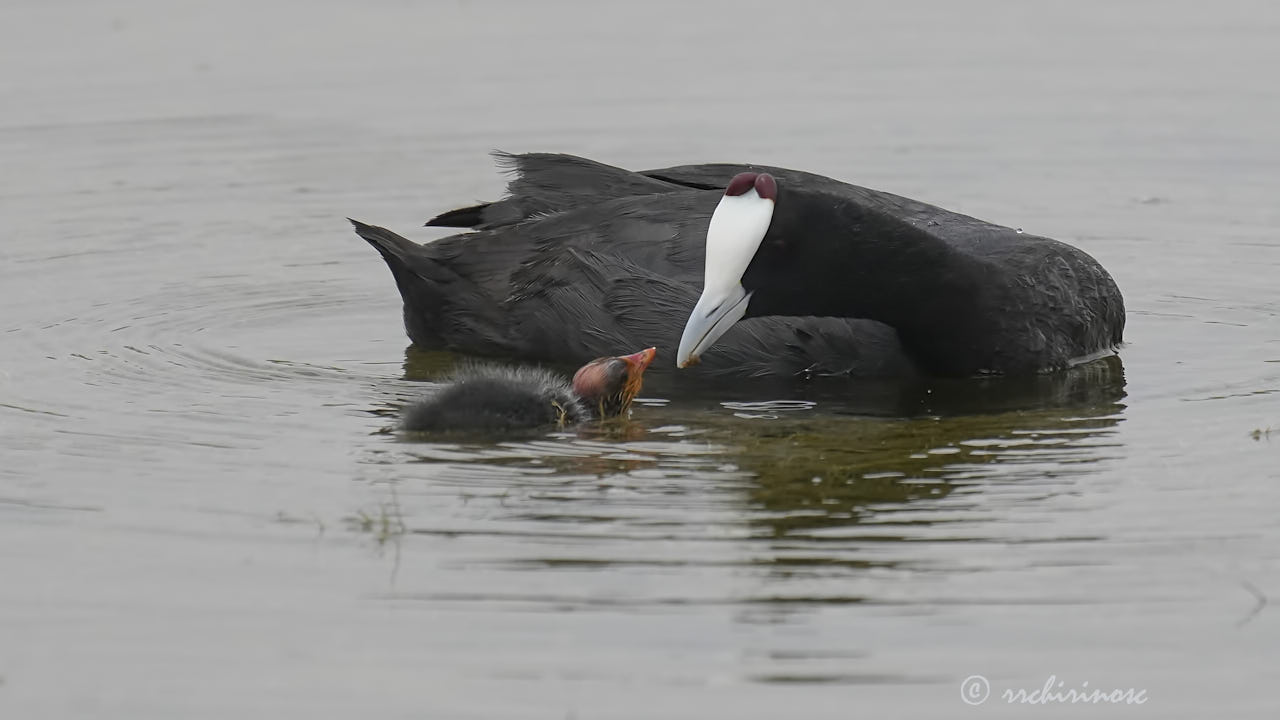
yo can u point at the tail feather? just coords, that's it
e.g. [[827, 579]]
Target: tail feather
[[416, 291], [382, 239], [467, 217], [549, 183], [445, 307]]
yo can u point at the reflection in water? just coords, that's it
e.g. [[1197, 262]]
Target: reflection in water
[[850, 493], [798, 485], [816, 472]]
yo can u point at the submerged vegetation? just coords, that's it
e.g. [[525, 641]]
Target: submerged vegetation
[[385, 524]]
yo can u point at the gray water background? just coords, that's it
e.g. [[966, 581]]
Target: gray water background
[[200, 513]]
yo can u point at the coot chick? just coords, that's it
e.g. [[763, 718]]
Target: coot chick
[[498, 398]]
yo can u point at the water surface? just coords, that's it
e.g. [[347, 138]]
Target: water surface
[[201, 514]]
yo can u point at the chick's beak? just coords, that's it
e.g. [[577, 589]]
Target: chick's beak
[[636, 365], [639, 362]]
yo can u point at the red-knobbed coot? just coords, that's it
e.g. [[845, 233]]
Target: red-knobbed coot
[[750, 270]]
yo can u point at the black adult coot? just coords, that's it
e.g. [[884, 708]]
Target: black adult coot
[[498, 398], [751, 270]]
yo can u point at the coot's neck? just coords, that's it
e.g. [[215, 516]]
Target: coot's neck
[[825, 255]]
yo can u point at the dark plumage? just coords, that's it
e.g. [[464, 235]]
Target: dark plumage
[[499, 399], [494, 398], [582, 257]]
